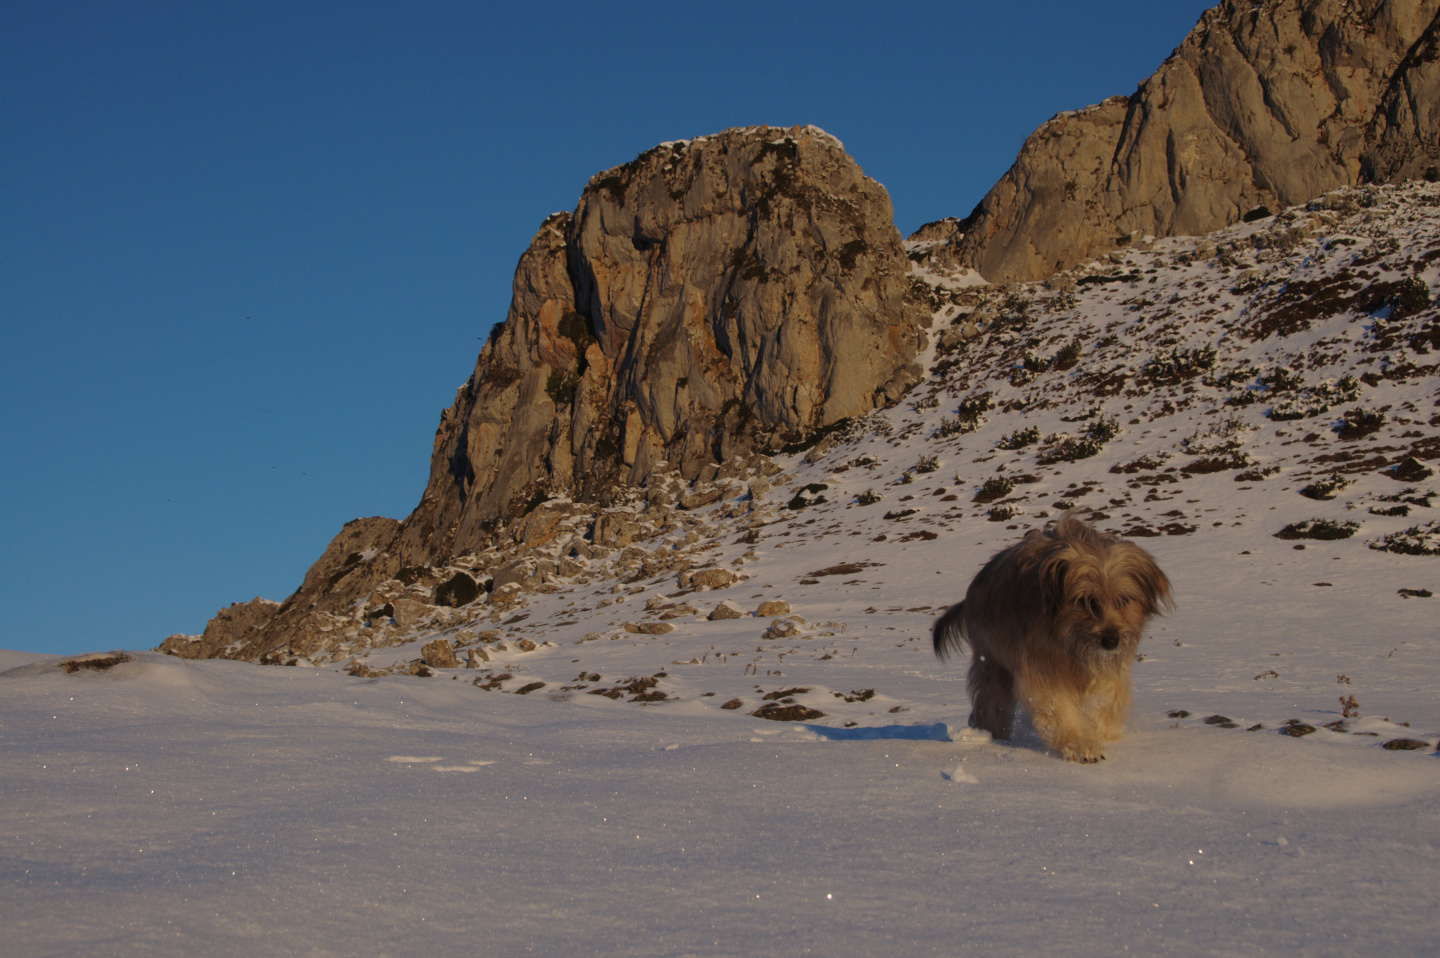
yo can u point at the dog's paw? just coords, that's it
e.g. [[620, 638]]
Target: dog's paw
[[1086, 755]]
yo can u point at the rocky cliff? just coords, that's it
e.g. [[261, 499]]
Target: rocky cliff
[[710, 300], [1263, 105]]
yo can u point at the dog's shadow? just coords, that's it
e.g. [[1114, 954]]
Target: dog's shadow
[[1022, 738], [938, 732]]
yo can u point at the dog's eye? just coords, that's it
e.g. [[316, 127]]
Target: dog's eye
[[1092, 607]]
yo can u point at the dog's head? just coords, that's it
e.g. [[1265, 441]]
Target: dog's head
[[1099, 590]]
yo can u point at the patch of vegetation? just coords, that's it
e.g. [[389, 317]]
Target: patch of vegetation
[[1418, 540], [1179, 365], [96, 663], [850, 251], [969, 413], [927, 464], [1003, 513], [901, 513], [576, 328], [954, 427], [995, 488], [925, 402], [1228, 435], [1104, 429], [1257, 475], [1323, 529], [1206, 465], [808, 495], [1148, 463], [560, 386], [1316, 399], [500, 377], [868, 498], [1411, 497], [1131, 277], [615, 186], [1325, 489], [1412, 296], [1243, 373], [1358, 423], [812, 440], [1020, 438], [1063, 447], [1068, 356]]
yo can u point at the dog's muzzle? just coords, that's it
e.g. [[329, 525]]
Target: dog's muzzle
[[1110, 641]]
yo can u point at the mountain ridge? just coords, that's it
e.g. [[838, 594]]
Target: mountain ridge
[[1263, 105]]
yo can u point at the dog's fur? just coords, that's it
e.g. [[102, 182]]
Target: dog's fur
[[1056, 619]]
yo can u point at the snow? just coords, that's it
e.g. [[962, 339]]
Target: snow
[[170, 807], [162, 806]]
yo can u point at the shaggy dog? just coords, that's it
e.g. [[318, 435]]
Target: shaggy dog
[[1056, 619]]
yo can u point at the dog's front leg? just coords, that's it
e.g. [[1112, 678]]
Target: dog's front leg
[[1055, 708], [1111, 695]]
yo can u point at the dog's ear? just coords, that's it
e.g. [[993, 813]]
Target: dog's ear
[[1054, 580], [1154, 584]]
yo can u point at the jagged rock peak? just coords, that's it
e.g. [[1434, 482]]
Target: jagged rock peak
[[1264, 104], [709, 298]]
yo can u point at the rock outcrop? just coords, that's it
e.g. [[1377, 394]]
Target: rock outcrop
[[710, 300], [1265, 104], [233, 627]]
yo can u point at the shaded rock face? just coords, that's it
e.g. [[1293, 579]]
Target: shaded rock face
[[1264, 104], [710, 298]]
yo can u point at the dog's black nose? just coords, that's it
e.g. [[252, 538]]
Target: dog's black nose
[[1110, 641]]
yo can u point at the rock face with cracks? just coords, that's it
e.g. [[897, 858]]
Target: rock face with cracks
[[707, 301], [1264, 104], [710, 298]]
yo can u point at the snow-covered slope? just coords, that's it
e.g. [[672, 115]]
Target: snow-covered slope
[[602, 779]]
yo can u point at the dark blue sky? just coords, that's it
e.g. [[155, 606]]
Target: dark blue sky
[[248, 251]]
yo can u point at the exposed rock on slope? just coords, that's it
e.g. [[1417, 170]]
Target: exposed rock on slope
[[711, 299], [1264, 104], [233, 627]]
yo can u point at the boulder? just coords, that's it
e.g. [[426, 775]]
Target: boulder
[[439, 654], [649, 628], [773, 608], [727, 609]]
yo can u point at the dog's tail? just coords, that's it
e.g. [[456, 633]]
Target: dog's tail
[[949, 634]]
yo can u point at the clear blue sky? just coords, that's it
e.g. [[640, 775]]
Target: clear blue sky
[[248, 251]]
